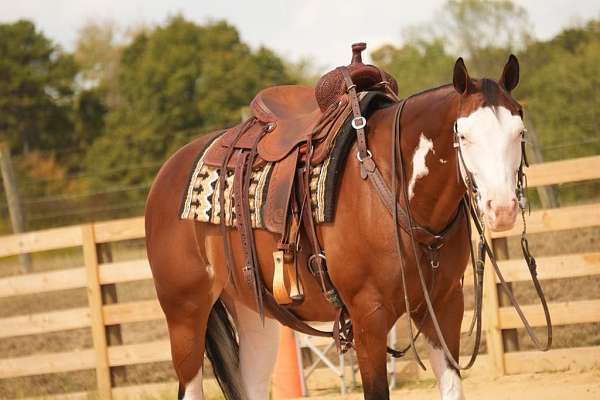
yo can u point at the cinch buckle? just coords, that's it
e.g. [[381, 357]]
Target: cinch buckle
[[361, 120]]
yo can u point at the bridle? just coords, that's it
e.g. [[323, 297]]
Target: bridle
[[469, 203], [521, 187]]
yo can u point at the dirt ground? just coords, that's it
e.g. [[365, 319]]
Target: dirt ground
[[555, 386]]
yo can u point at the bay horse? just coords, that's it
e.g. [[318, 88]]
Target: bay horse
[[193, 284]]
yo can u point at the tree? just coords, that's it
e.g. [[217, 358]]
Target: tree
[[561, 89], [416, 66], [482, 32], [36, 89], [176, 82]]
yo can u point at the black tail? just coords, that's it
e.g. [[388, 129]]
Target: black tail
[[222, 350]]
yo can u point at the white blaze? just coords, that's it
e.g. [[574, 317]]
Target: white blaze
[[419, 167], [491, 147]]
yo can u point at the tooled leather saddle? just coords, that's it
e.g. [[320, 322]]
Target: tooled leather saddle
[[293, 127]]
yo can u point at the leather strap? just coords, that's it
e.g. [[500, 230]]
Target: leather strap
[[422, 234], [361, 138], [222, 183]]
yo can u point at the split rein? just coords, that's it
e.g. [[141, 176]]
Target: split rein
[[469, 206]]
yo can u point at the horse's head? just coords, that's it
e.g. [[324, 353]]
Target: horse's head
[[489, 131]]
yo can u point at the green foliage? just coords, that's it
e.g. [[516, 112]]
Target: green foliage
[[89, 130], [416, 67], [36, 89], [174, 83]]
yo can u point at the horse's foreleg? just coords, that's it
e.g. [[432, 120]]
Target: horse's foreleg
[[448, 378], [370, 332], [258, 350]]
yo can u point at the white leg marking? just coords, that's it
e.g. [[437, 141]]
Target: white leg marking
[[448, 380], [258, 351], [193, 390], [419, 168]]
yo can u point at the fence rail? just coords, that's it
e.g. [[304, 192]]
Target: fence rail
[[93, 275]]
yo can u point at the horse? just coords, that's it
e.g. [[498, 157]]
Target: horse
[[206, 312]]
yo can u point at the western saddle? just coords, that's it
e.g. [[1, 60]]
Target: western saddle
[[293, 127]]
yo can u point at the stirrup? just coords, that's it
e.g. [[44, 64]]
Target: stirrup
[[295, 295]]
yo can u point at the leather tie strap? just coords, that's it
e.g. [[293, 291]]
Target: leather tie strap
[[358, 122]]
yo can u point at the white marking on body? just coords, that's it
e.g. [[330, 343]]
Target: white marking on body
[[448, 380], [193, 389], [420, 169], [258, 351]]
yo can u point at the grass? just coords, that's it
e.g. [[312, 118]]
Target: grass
[[541, 244]]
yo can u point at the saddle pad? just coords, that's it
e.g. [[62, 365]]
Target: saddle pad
[[201, 198]]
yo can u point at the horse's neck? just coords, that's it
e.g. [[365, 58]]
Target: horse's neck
[[430, 159]]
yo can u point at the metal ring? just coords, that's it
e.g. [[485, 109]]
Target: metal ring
[[353, 86], [270, 127], [362, 120], [360, 159]]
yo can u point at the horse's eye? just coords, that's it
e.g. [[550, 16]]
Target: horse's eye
[[523, 134]]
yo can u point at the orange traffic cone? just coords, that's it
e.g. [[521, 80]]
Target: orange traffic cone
[[287, 381]]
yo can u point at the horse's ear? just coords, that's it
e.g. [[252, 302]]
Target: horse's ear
[[461, 80], [510, 75]]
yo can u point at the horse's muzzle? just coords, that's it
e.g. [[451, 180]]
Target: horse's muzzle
[[501, 216]]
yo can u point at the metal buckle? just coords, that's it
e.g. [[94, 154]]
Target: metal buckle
[[362, 120], [360, 159], [310, 262], [270, 127]]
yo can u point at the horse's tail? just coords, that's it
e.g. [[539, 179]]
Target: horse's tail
[[223, 352]]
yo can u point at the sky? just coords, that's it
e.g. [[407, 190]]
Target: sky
[[318, 30]]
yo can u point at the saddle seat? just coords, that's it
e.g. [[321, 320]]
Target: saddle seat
[[292, 113], [285, 102]]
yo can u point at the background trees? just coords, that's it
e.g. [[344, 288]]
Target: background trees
[[89, 129]]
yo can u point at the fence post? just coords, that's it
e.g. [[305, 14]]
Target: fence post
[[90, 257], [14, 203], [109, 296], [493, 332]]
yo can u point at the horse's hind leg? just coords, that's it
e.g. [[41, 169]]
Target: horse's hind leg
[[258, 350], [187, 290], [183, 285]]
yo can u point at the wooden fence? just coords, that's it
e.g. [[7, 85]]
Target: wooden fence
[[99, 316]]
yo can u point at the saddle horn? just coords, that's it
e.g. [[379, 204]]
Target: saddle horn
[[357, 49]]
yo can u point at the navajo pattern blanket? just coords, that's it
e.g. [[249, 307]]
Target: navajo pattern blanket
[[202, 201]]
